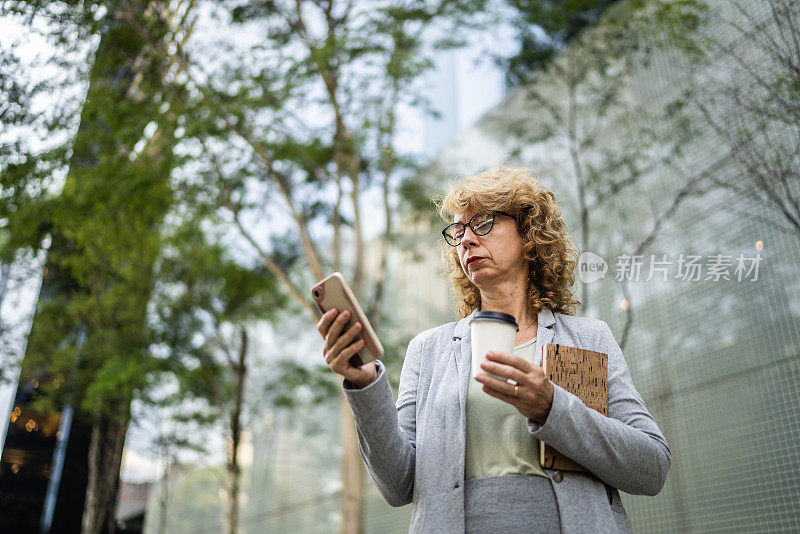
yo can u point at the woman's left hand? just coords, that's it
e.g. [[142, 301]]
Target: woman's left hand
[[535, 393]]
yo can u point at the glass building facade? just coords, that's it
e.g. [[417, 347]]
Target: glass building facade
[[712, 334]]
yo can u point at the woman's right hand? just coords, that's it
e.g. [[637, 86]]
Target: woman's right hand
[[339, 347]]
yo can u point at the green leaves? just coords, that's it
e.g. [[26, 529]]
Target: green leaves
[[618, 29], [202, 296], [104, 221], [293, 383]]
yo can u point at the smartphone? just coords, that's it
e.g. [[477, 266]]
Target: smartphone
[[335, 292]]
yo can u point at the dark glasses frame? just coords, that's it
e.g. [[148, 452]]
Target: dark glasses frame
[[493, 213]]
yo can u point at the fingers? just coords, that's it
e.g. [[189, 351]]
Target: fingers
[[335, 329], [515, 361], [344, 340], [339, 346], [341, 363], [510, 370], [506, 371], [495, 385], [510, 399], [325, 321]]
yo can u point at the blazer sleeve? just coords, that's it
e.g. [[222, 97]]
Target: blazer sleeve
[[626, 449], [387, 429]]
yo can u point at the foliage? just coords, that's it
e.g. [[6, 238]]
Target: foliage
[[103, 224], [547, 28], [544, 28], [298, 127], [578, 117], [202, 296], [742, 98]]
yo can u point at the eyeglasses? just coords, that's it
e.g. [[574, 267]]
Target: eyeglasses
[[481, 224]]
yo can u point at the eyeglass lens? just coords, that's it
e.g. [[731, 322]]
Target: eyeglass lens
[[481, 224]]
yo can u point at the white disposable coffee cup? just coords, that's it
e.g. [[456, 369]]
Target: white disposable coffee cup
[[491, 331]]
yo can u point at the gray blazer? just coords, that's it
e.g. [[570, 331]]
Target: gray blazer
[[414, 449]]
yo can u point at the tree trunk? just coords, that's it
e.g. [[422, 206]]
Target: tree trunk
[[235, 439], [352, 505], [105, 456], [163, 500]]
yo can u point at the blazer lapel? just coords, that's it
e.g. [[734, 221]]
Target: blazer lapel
[[462, 348], [462, 352], [544, 333]]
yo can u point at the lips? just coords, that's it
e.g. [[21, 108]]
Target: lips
[[473, 259]]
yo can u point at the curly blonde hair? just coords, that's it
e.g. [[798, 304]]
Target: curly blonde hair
[[547, 246]]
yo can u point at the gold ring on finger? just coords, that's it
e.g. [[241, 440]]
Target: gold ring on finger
[[516, 389]]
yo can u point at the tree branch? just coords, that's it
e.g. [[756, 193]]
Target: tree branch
[[284, 187], [275, 268]]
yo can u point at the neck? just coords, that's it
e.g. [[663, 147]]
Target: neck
[[510, 297]]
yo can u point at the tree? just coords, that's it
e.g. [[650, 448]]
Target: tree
[[172, 437], [545, 28], [32, 164], [573, 100], [103, 225], [295, 134], [743, 95], [204, 304]]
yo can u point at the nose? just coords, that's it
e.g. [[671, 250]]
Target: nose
[[469, 237]]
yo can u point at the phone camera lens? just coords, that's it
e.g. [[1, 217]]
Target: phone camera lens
[[316, 293]]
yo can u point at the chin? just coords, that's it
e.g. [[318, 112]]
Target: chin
[[478, 276]]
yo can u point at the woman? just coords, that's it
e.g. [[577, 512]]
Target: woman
[[465, 451]]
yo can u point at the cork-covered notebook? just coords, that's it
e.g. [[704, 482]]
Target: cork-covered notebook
[[583, 373]]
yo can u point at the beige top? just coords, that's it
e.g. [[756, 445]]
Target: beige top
[[498, 441]]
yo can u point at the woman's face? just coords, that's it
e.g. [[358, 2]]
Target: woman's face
[[500, 252]]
